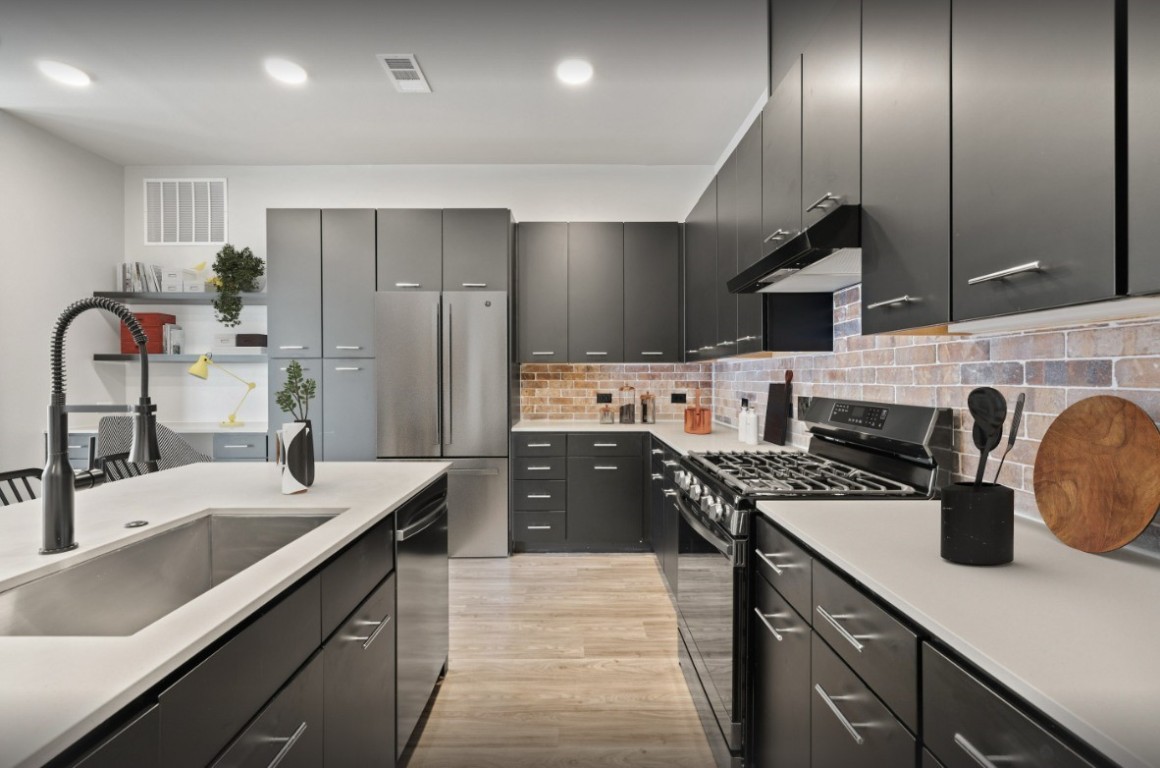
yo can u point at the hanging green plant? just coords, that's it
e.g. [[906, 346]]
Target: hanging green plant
[[235, 272]]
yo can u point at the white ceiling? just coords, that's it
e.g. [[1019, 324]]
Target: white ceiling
[[179, 83]]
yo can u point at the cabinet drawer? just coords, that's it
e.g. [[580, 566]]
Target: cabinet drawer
[[203, 710], [534, 495], [244, 445], [877, 646], [965, 720], [546, 468], [850, 727], [781, 681], [135, 745], [288, 732], [539, 527], [355, 572], [538, 444], [618, 444], [785, 565]]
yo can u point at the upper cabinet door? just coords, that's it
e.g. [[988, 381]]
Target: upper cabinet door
[[781, 160], [749, 246], [831, 113], [726, 341], [294, 282], [792, 24], [596, 292], [348, 297], [1143, 145], [906, 146], [701, 277], [476, 249], [652, 293], [542, 296], [410, 249], [1033, 122]]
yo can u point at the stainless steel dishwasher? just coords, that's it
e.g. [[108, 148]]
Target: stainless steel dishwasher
[[422, 572]]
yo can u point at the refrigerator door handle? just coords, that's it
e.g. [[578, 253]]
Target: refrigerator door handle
[[449, 380], [438, 404]]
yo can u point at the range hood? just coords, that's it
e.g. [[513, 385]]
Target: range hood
[[819, 258]]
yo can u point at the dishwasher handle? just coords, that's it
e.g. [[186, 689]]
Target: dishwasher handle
[[426, 521]]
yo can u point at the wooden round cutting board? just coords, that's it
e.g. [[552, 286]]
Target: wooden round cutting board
[[1097, 474]]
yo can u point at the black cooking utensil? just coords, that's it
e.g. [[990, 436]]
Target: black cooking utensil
[[1015, 419], [989, 409]]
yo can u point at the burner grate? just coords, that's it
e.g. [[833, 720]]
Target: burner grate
[[780, 474]]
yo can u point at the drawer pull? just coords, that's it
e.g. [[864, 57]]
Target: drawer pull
[[833, 621], [657, 452], [379, 627], [973, 751], [857, 737], [655, 476], [75, 447], [596, 354], [823, 202], [778, 570], [539, 495], [891, 302], [238, 447], [347, 368], [604, 445], [346, 346], [408, 285], [765, 617], [539, 469], [670, 494], [779, 234], [292, 346], [747, 338], [606, 468], [671, 463], [725, 343], [474, 285], [289, 745], [1031, 266], [542, 354], [652, 354], [539, 527], [539, 445]]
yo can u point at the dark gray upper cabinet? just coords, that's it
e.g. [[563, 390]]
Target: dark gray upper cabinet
[[476, 249], [1143, 145], [348, 297], [906, 145], [542, 298], [596, 292], [726, 341], [831, 124], [294, 282], [652, 292], [793, 24], [1033, 121], [701, 277], [781, 160], [410, 249], [749, 237]]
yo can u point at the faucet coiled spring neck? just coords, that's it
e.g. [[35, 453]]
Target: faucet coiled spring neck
[[65, 320]]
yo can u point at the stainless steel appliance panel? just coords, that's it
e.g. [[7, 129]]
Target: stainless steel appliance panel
[[422, 573], [407, 336], [477, 500], [475, 373]]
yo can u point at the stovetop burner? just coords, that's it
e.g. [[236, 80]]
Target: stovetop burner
[[796, 474]]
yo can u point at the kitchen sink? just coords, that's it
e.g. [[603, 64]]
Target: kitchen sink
[[123, 591]]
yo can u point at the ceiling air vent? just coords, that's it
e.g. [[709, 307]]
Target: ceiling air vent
[[185, 211], [404, 71]]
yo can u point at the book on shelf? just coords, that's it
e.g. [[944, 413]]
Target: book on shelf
[[138, 277], [172, 339]]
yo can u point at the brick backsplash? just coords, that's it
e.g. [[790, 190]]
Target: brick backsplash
[[1056, 368], [568, 392]]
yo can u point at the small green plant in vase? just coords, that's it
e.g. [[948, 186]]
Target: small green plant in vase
[[235, 272], [295, 396], [296, 440]]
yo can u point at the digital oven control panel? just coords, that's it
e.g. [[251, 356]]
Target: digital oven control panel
[[868, 416]]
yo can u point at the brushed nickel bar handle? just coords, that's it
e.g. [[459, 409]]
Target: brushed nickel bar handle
[[605, 445], [292, 346], [777, 569], [841, 630], [239, 447], [857, 737], [408, 285], [670, 494], [347, 368], [671, 463], [765, 620], [657, 452], [1031, 266], [889, 302], [725, 343], [821, 201], [289, 745], [747, 338], [609, 468], [539, 495], [596, 354], [539, 445], [651, 354], [474, 285], [539, 469], [539, 527], [973, 752], [542, 354], [346, 347], [655, 476], [777, 235], [379, 627]]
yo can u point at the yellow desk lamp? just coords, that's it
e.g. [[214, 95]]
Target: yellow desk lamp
[[200, 369]]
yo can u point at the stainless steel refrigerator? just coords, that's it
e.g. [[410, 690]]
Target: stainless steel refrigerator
[[443, 393]]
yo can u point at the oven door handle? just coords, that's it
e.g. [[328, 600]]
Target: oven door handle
[[724, 546]]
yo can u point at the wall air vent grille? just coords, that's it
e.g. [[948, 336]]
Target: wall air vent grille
[[403, 69], [185, 211]]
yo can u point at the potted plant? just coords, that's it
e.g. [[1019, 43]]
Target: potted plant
[[296, 440], [235, 272]]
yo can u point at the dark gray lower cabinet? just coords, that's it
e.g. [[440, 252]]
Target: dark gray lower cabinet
[[781, 673], [663, 512], [348, 394], [605, 498], [136, 745], [359, 662], [849, 726], [289, 731]]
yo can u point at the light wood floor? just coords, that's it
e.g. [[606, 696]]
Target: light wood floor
[[562, 660]]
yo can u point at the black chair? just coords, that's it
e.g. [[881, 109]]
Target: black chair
[[118, 467], [16, 486], [115, 436]]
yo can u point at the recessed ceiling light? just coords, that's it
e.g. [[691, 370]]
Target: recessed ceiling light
[[64, 73], [574, 71], [285, 71]]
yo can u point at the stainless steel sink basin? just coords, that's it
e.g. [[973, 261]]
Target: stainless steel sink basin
[[123, 591]]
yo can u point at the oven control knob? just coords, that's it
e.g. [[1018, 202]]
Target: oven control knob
[[683, 478], [694, 490], [728, 511]]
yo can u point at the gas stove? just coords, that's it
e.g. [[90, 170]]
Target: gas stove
[[768, 474]]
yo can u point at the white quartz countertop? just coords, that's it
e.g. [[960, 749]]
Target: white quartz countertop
[[54, 690], [672, 433], [1072, 633]]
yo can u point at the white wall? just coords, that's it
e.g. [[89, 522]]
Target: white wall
[[532, 192], [61, 233]]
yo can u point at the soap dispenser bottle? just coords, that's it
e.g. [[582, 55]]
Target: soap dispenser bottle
[[747, 422]]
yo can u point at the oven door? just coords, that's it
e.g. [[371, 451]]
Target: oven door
[[712, 594]]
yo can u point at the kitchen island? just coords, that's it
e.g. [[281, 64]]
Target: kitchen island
[[54, 690]]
